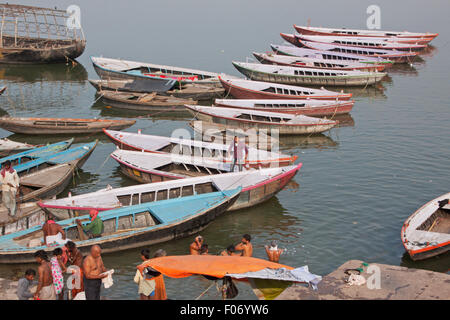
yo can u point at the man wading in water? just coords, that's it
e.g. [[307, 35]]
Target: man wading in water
[[245, 246], [196, 246], [92, 273], [273, 253]]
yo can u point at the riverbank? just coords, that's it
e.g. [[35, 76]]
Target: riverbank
[[393, 283]]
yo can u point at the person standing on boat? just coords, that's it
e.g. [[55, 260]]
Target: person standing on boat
[[237, 149], [93, 273], [245, 246], [196, 246], [10, 184], [45, 289], [146, 286]]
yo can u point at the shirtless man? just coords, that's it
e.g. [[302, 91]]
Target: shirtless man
[[51, 229], [92, 273], [245, 246], [45, 289], [75, 258], [273, 253], [196, 246]]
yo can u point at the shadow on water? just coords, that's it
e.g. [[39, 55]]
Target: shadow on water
[[439, 263], [45, 139], [39, 72], [318, 141]]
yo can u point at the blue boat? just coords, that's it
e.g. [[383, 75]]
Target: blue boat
[[44, 151], [79, 154], [128, 227]]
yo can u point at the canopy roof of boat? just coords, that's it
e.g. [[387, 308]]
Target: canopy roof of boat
[[250, 103], [361, 41]]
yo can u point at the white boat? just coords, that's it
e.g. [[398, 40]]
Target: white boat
[[307, 76], [426, 233], [260, 184], [283, 123], [212, 151], [10, 147]]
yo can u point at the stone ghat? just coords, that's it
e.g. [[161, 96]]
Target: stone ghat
[[395, 283]]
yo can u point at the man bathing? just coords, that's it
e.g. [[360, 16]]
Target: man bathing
[[196, 246], [93, 273], [45, 289], [245, 246], [273, 253]]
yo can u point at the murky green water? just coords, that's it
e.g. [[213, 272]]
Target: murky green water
[[358, 183]]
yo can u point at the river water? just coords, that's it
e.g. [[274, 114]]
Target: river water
[[358, 182]]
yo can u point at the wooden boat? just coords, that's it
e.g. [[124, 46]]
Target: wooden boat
[[61, 125], [329, 55], [129, 227], [283, 123], [426, 233], [307, 76], [378, 43], [305, 62], [306, 107], [142, 73], [393, 55], [2, 90], [38, 35], [248, 89], [257, 187], [143, 101], [8, 147], [187, 91], [267, 279], [212, 151], [419, 36], [38, 152]]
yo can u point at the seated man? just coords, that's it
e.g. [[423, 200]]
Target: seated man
[[93, 229], [53, 232]]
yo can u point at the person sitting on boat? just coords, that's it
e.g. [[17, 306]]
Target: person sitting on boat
[[196, 246], [10, 184], [273, 253], [245, 246], [237, 149], [94, 228], [53, 232]]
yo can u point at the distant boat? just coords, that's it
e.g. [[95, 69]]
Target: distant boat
[[257, 187], [8, 147], [61, 125], [249, 89], [306, 107], [376, 43], [332, 56], [426, 233], [37, 152], [316, 63], [142, 101], [207, 150], [307, 76], [187, 91], [286, 124], [2, 90], [393, 55], [365, 33], [129, 227]]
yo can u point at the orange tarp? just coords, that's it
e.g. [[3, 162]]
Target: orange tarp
[[215, 266]]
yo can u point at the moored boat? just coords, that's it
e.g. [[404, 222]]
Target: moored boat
[[208, 150], [420, 36], [2, 90], [305, 62], [187, 91], [257, 187], [249, 89], [61, 125], [143, 101], [283, 123], [329, 55], [377, 43], [426, 233], [128, 227], [8, 147], [307, 76], [306, 107]]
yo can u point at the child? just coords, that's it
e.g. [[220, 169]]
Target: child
[[146, 287], [58, 267], [23, 287]]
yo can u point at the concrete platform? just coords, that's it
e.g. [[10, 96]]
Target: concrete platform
[[395, 283]]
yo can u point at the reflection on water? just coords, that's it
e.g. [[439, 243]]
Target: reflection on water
[[405, 69], [318, 141], [48, 73], [439, 263]]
